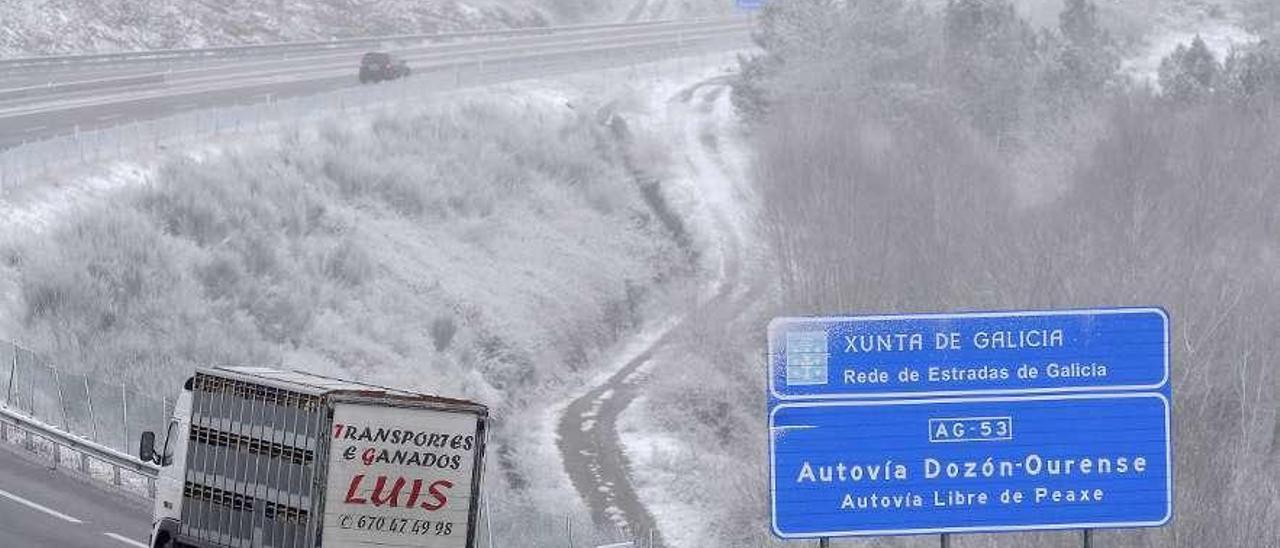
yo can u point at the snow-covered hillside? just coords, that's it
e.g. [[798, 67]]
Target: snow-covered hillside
[[49, 26], [62, 26]]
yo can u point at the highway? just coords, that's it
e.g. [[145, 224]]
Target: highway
[[44, 508], [46, 101]]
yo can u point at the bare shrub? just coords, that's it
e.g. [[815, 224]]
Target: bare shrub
[[349, 263], [443, 329]]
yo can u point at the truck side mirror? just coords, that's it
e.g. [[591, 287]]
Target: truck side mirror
[[147, 448]]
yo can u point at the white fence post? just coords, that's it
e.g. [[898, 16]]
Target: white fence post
[[62, 402], [13, 372], [124, 413], [31, 392], [88, 398]]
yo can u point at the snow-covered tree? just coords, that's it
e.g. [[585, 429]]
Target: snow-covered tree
[[834, 44], [789, 33], [1190, 72], [800, 30], [1251, 72], [990, 53], [1084, 57], [1079, 24]]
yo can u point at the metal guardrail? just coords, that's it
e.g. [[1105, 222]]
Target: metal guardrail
[[53, 413], [32, 432], [31, 408], [283, 47]]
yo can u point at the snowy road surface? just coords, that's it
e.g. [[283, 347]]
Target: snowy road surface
[[221, 84], [43, 508]]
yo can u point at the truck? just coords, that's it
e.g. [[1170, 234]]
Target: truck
[[259, 457]]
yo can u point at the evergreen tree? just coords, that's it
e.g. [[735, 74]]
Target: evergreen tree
[[799, 30], [1079, 25], [1190, 73], [991, 56], [833, 44], [1085, 59], [1251, 73], [790, 33]]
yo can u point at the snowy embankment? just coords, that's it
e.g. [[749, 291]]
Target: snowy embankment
[[39, 27], [490, 244], [32, 27]]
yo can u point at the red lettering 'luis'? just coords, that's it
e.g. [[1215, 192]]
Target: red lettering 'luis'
[[436, 497]]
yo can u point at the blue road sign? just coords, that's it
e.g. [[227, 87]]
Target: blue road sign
[[969, 354], [981, 464], [752, 5]]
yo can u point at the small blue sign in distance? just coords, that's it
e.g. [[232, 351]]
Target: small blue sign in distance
[[968, 354], [981, 464], [752, 5]]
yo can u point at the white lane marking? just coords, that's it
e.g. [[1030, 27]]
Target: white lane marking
[[33, 505], [35, 129], [187, 106], [109, 117], [126, 540]]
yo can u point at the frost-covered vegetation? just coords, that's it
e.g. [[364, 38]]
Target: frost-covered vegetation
[[482, 247], [51, 26], [29, 27], [964, 159]]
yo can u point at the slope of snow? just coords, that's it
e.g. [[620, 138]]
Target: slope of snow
[[60, 26], [529, 287]]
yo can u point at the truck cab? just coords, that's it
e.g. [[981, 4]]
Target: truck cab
[[167, 510]]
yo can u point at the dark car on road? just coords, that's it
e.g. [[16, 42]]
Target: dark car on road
[[378, 67]]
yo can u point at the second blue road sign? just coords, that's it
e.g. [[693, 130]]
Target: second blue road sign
[[970, 422]]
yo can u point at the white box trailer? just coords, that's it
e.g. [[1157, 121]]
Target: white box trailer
[[259, 457]]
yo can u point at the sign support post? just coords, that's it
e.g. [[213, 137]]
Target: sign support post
[[946, 540], [824, 543], [1088, 538]]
